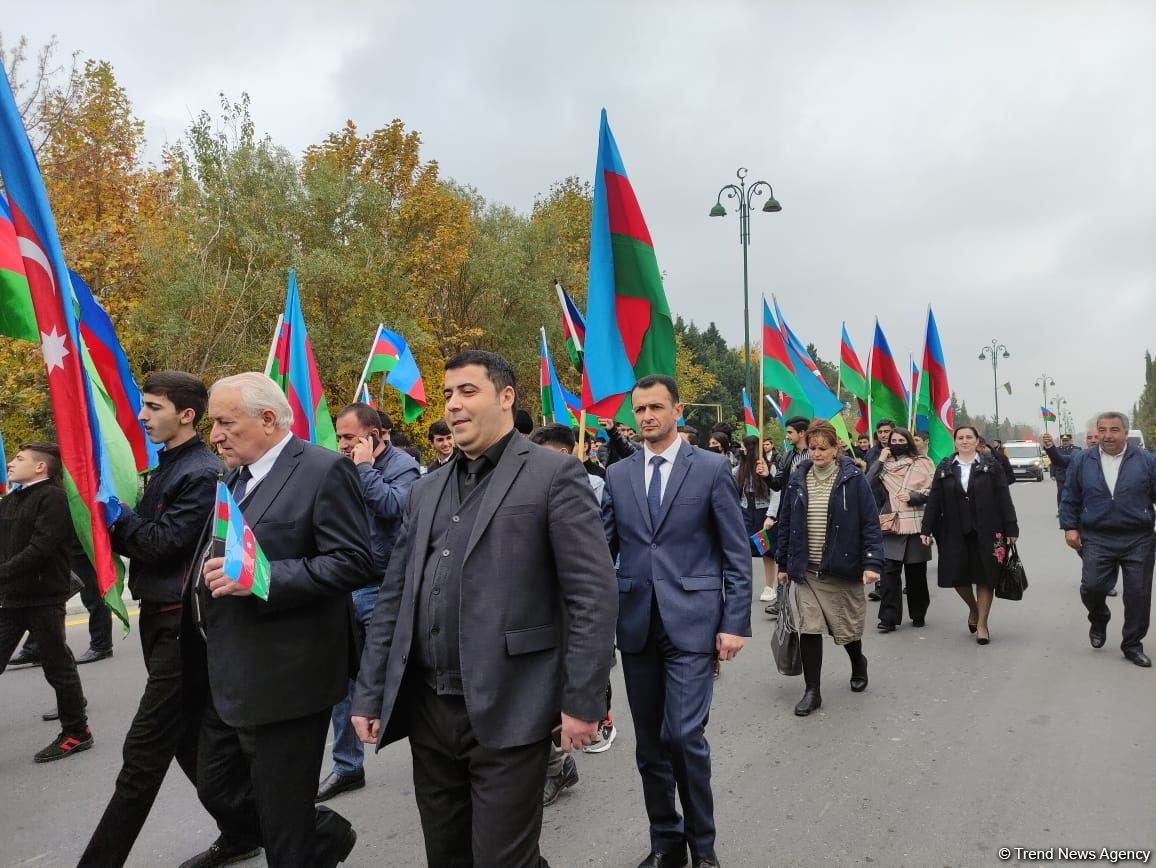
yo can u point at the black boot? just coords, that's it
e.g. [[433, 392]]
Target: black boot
[[811, 648], [858, 666]]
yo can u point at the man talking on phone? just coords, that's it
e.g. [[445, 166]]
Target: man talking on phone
[[386, 474]]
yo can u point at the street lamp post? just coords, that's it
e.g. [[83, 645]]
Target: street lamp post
[[746, 196], [995, 350], [1045, 381], [1062, 413]]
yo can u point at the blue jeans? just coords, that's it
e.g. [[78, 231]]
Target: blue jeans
[[348, 753]]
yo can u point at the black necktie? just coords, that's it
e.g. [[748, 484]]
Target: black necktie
[[470, 481], [242, 483], [654, 491]]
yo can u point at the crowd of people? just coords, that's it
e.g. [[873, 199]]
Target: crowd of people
[[475, 605]]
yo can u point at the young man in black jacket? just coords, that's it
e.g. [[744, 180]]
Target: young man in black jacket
[[35, 541], [159, 537]]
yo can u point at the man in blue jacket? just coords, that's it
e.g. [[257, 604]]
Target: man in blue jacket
[[1107, 516], [671, 514], [386, 474]]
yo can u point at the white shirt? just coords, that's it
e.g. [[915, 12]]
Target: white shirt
[[965, 470], [261, 467], [1111, 465], [670, 453]]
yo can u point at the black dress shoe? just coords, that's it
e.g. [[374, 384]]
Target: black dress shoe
[[565, 779], [707, 862], [672, 859], [336, 784], [1098, 635], [873, 597], [859, 675], [1110, 593], [92, 655], [917, 622], [221, 852], [1138, 657], [811, 700], [23, 658], [884, 627]]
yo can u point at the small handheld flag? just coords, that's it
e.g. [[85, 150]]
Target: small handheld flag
[[391, 355], [762, 541], [1048, 414], [245, 563]]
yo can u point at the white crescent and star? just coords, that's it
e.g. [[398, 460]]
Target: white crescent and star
[[53, 347]]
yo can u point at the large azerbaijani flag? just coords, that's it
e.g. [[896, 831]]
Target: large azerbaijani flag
[[391, 355], [99, 336], [245, 563], [749, 420], [793, 342], [573, 326], [933, 408], [98, 464], [629, 330], [555, 410], [295, 371], [888, 394]]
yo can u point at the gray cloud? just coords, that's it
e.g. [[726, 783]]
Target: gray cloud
[[993, 159]]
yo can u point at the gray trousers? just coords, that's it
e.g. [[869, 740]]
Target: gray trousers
[[1105, 557]]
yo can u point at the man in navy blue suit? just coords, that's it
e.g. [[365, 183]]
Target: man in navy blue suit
[[671, 513]]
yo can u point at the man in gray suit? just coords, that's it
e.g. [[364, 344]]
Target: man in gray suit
[[495, 618], [671, 513]]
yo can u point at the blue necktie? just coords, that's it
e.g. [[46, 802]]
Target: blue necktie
[[242, 483], [654, 492]]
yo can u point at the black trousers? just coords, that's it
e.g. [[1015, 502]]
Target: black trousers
[[155, 736], [99, 615], [479, 807], [45, 624], [263, 778], [891, 591], [1105, 556]]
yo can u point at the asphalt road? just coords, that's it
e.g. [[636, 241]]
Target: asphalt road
[[953, 752]]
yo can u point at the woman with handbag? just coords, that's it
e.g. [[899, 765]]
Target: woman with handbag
[[830, 547], [971, 515], [906, 479]]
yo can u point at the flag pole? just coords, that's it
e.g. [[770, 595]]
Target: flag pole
[[870, 391], [582, 421], [273, 345], [368, 359]]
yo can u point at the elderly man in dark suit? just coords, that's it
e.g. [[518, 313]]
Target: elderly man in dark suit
[[671, 514], [275, 667], [495, 618]]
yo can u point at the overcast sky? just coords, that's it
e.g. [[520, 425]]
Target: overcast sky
[[993, 159]]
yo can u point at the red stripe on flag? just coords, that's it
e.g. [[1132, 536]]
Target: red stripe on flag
[[633, 323], [622, 209], [848, 357], [773, 347], [384, 348]]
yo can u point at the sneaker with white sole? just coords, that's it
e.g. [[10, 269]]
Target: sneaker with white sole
[[767, 595], [606, 735]]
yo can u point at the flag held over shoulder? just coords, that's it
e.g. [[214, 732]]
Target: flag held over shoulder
[[245, 563]]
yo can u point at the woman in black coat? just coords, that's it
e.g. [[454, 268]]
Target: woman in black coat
[[971, 515]]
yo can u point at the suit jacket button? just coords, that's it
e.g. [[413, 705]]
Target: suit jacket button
[[404, 659], [654, 545]]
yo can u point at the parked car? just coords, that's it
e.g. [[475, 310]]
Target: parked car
[[1027, 459]]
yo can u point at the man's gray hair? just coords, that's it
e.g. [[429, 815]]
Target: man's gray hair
[[1113, 414], [258, 394]]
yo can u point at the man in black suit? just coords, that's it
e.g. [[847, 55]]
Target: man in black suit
[[271, 670], [496, 616]]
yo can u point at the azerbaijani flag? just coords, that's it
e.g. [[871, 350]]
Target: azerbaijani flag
[[629, 330], [749, 419], [779, 373], [17, 316], [245, 563], [1045, 412], [888, 394], [797, 345], [573, 327], [391, 355], [851, 373], [98, 462], [778, 410], [933, 412], [556, 403], [295, 371], [365, 397], [99, 336]]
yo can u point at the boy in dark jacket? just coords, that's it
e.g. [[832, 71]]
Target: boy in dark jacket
[[35, 540]]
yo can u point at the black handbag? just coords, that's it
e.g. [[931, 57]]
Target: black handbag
[[1013, 580], [785, 645]]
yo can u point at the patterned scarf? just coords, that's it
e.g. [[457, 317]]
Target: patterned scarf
[[907, 474]]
